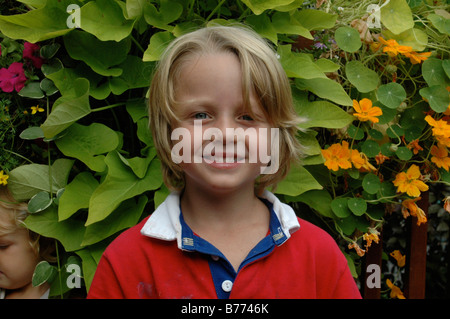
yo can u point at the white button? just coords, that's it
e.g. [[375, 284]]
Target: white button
[[214, 257], [227, 285]]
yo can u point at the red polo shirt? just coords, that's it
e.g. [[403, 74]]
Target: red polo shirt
[[161, 258]]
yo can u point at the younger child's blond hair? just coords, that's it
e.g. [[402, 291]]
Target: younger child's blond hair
[[262, 73]]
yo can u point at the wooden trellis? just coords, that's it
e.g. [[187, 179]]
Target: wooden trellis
[[416, 258]]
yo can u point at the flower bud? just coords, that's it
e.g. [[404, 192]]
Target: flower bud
[[390, 68]]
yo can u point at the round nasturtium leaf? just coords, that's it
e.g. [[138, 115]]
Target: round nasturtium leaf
[[370, 148], [404, 153], [363, 78], [371, 183], [358, 206], [339, 206], [348, 39], [391, 95], [437, 96]]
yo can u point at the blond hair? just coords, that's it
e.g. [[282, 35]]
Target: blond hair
[[262, 73], [16, 213]]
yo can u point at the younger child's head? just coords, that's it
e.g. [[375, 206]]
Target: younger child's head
[[262, 75], [20, 249]]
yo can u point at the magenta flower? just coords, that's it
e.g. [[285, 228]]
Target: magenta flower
[[12, 78], [31, 52]]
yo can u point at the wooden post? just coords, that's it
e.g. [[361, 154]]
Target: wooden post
[[373, 256], [416, 256]]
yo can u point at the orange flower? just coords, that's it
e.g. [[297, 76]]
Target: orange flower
[[392, 48], [399, 258], [417, 58], [365, 111], [409, 206], [440, 156], [414, 146], [371, 236], [361, 162], [380, 158], [395, 291], [337, 156], [358, 249], [409, 182], [447, 204]]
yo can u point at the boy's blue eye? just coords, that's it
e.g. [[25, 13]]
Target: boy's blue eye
[[201, 116]]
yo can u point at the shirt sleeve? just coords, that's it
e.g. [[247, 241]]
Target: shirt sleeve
[[105, 284]]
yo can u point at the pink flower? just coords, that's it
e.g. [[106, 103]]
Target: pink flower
[[12, 78], [31, 52]]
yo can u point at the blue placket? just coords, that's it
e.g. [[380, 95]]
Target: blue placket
[[222, 271]]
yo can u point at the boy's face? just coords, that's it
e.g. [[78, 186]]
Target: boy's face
[[17, 258], [223, 138]]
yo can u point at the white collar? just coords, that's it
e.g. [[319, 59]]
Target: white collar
[[165, 224]]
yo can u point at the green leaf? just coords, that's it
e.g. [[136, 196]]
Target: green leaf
[[25, 181], [298, 181], [319, 200], [32, 133], [339, 206], [326, 89], [124, 216], [169, 11], [69, 232], [315, 19], [285, 23], [259, 6], [437, 97], [32, 90], [105, 20], [263, 25], [363, 78], [348, 39], [397, 16], [404, 153], [101, 56], [433, 72], [322, 114], [136, 74], [370, 148], [391, 95], [69, 109], [158, 43], [44, 272], [120, 184], [355, 133], [440, 23], [298, 65], [39, 202], [76, 195], [37, 25], [358, 206], [371, 183]]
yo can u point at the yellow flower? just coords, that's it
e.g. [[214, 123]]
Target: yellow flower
[[440, 127], [365, 111], [3, 178], [337, 156], [35, 109], [417, 58], [395, 291], [409, 182], [440, 156], [409, 207], [401, 259]]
